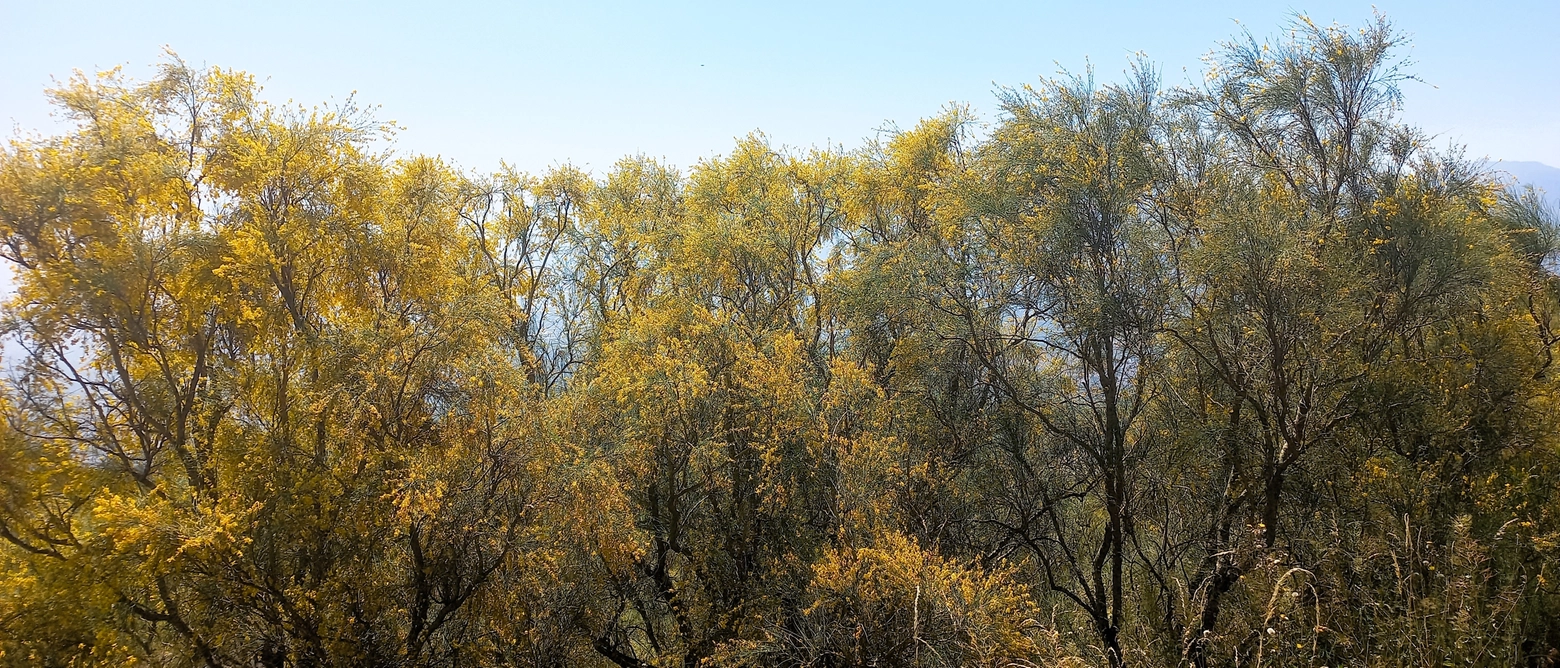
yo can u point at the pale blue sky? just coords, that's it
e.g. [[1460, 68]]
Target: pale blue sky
[[539, 84]]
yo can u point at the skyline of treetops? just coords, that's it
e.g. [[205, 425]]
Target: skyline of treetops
[[1240, 372]]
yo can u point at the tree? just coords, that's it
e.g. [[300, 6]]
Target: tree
[[1238, 373]]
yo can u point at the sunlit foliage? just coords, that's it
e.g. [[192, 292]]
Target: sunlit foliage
[[1237, 373]]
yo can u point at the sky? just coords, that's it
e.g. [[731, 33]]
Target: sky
[[544, 84]]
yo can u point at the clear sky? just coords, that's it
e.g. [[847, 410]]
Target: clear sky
[[539, 84]]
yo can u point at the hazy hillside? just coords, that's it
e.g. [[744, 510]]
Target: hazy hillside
[[1536, 174]]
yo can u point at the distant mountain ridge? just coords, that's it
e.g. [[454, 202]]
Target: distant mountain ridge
[[1536, 174]]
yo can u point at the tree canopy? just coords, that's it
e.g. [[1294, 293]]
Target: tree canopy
[[1237, 373]]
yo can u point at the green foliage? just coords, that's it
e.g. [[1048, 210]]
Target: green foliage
[[1234, 374]]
